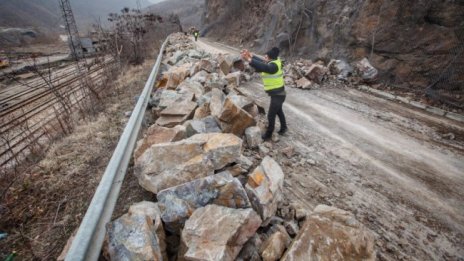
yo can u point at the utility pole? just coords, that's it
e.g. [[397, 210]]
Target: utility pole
[[71, 28]]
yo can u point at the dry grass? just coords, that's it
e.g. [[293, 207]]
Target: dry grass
[[48, 202]]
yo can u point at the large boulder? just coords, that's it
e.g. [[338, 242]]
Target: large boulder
[[226, 63], [253, 136], [233, 79], [264, 188], [157, 134], [170, 164], [191, 86], [177, 75], [341, 69], [217, 233], [217, 100], [178, 203], [330, 233], [303, 83], [205, 125], [317, 73], [177, 113], [274, 246], [367, 72], [233, 117], [137, 235]]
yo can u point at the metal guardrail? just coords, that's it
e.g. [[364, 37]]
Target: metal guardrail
[[89, 239]]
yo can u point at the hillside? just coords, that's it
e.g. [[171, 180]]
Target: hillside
[[45, 14], [190, 12], [411, 43]]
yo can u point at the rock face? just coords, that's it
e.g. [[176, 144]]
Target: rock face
[[138, 235], [217, 233], [331, 234], [422, 31], [170, 164], [264, 188], [178, 203], [157, 134]]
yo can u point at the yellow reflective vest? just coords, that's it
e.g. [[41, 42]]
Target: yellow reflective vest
[[276, 80]]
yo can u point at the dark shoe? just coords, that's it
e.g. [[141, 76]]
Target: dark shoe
[[282, 131], [266, 137]]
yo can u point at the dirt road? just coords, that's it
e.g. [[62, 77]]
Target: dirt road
[[398, 169]]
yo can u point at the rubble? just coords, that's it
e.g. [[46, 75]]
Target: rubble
[[274, 247], [317, 73], [137, 235], [331, 234], [178, 203], [303, 83], [366, 70], [170, 164], [177, 113], [233, 118], [264, 188], [157, 134], [341, 69], [253, 137], [217, 233]]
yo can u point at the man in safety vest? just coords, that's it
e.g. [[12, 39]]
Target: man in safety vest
[[196, 34], [273, 79]]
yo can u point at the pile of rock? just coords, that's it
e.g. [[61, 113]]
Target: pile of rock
[[305, 74], [213, 203]]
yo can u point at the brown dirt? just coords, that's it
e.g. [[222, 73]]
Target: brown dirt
[[387, 163], [48, 200]]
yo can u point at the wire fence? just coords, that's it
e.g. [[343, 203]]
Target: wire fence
[[448, 85]]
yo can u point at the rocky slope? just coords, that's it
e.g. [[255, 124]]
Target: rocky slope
[[190, 12], [409, 42]]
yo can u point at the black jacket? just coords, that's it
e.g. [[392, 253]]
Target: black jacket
[[271, 68]]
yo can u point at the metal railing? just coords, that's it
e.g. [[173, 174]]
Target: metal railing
[[89, 239]]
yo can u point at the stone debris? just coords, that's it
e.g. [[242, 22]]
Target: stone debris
[[177, 113], [303, 83], [211, 201], [233, 118], [137, 235], [170, 164], [330, 233], [217, 233], [317, 73], [264, 188], [156, 135], [274, 247], [367, 72], [178, 203], [253, 137]]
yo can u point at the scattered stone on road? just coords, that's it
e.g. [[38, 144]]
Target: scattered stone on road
[[330, 233], [217, 233]]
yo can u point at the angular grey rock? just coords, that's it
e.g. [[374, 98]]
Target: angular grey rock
[[233, 79], [167, 98], [170, 164], [341, 69], [250, 251], [205, 125], [274, 247], [233, 118], [217, 100], [134, 236], [178, 203], [193, 87], [264, 188], [366, 70], [157, 134], [253, 136], [217, 233], [200, 77], [332, 234], [177, 113]]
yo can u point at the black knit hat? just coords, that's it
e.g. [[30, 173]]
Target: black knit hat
[[273, 53]]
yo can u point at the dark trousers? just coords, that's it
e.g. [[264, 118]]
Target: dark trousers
[[275, 109]]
